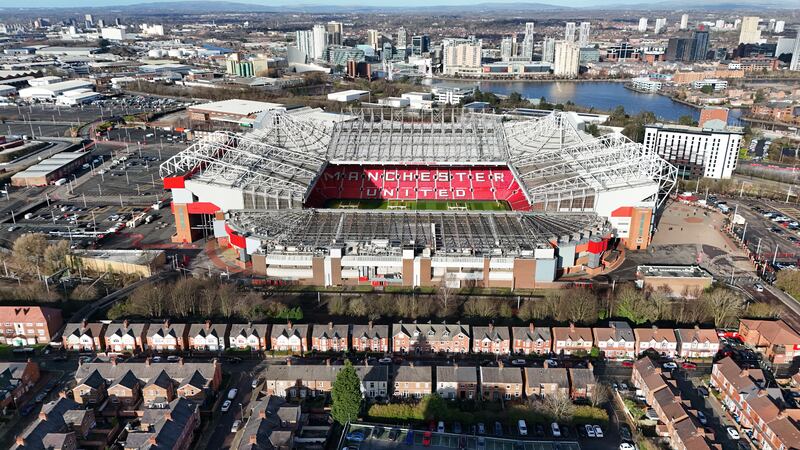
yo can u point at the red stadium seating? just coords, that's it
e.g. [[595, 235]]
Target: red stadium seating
[[354, 182]]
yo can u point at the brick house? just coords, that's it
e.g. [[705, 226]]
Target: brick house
[[247, 335], [542, 381], [60, 424], [491, 339], [125, 390], [582, 382], [125, 337], [301, 381], [616, 341], [370, 338], [171, 425], [646, 377], [412, 381], [501, 382], [84, 336], [778, 342], [28, 325], [426, 338], [90, 389], [532, 340], [760, 409], [457, 382], [660, 340], [16, 378], [697, 343], [329, 337], [166, 336], [567, 340], [207, 336], [289, 338], [159, 389]]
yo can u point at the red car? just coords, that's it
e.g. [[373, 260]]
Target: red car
[[627, 363], [689, 366], [426, 439]]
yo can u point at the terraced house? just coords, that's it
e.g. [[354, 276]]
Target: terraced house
[[697, 343], [125, 337], [459, 382], [616, 341], [412, 381], [428, 337], [501, 382], [761, 410], [660, 340], [207, 336], [289, 338], [166, 336], [273, 423], [171, 425], [532, 340], [370, 338], [571, 339], [61, 424], [84, 336], [778, 342], [491, 339], [247, 335], [543, 381], [329, 337], [16, 378], [301, 381]]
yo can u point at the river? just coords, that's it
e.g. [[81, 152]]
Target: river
[[600, 95]]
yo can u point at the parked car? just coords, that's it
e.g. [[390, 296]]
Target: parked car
[[440, 427], [732, 433], [226, 405], [627, 363], [702, 417], [623, 386], [589, 431], [356, 436], [758, 287], [232, 393], [702, 390], [254, 384], [156, 359], [669, 366], [173, 358], [626, 446], [551, 362], [518, 362], [481, 428], [426, 439], [555, 430], [385, 361], [522, 427], [689, 365], [625, 432], [394, 433], [235, 426], [598, 431]]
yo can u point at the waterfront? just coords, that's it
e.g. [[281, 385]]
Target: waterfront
[[600, 95]]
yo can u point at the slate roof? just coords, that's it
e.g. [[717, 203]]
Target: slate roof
[[154, 423], [431, 331], [36, 431], [416, 374], [534, 376], [371, 331], [456, 374], [532, 333], [501, 375], [289, 330], [493, 333], [330, 331], [268, 417]]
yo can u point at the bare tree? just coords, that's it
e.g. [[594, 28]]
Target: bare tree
[[725, 306], [600, 394], [558, 406]]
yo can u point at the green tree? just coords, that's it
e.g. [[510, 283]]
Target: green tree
[[687, 120], [632, 304], [346, 395], [707, 89]]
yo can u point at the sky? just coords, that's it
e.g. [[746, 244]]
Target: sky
[[106, 3]]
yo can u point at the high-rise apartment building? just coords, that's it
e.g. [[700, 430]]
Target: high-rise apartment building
[[643, 24], [334, 30], [569, 32], [506, 48], [373, 39], [528, 42], [304, 41], [583, 34], [779, 26], [703, 152], [320, 36], [750, 34], [462, 57], [660, 25], [684, 21], [401, 38], [567, 59], [795, 62], [549, 50]]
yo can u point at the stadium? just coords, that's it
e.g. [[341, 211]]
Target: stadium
[[440, 198]]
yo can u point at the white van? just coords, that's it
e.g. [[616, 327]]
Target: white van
[[555, 429], [522, 427]]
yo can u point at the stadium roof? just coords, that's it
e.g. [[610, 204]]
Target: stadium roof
[[463, 233]]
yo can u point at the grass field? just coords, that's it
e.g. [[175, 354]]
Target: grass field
[[422, 205]]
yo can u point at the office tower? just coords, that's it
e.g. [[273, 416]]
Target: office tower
[[118, 21], [736, 24], [684, 21], [401, 38], [420, 44], [699, 45], [320, 41], [583, 34], [373, 39], [304, 41], [660, 25], [719, 24], [567, 59], [101, 23], [88, 19], [771, 25], [462, 57], [334, 30], [569, 32], [549, 50], [643, 24], [779, 26], [528, 42], [678, 49], [795, 62], [750, 34], [506, 48]]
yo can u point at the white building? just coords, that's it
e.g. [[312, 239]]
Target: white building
[[569, 32], [451, 95], [549, 50], [567, 59], [42, 81], [643, 24], [78, 97], [320, 36], [646, 84], [419, 100], [717, 84], [528, 42], [706, 152], [49, 92], [583, 34], [114, 33], [779, 26], [795, 62], [373, 39], [152, 30], [462, 57], [347, 96], [684, 21], [660, 25], [750, 34], [304, 41]]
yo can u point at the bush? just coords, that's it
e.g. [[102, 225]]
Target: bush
[[589, 414]]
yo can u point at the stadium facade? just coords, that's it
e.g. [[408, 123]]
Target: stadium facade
[[434, 200]]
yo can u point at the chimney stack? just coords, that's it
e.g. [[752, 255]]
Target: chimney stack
[[84, 323], [62, 394], [289, 324], [125, 323], [147, 361], [253, 439], [180, 361], [370, 324], [262, 414], [113, 360], [289, 361], [42, 415], [208, 324], [328, 362], [20, 441], [166, 323], [572, 326], [152, 440], [500, 364], [531, 327]]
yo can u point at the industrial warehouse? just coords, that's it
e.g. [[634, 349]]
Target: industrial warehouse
[[440, 199]]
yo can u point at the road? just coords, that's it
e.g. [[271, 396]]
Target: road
[[241, 379]]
